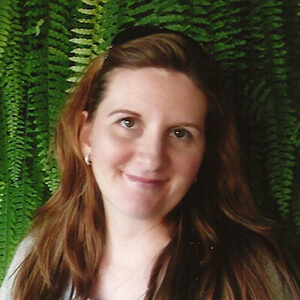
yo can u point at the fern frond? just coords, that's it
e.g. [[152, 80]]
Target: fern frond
[[59, 47], [86, 36], [13, 106], [5, 29], [270, 100]]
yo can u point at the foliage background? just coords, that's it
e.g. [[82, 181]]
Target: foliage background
[[45, 44]]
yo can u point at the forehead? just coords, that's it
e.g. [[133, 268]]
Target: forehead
[[153, 89], [150, 80]]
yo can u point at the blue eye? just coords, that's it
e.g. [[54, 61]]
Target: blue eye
[[180, 134], [128, 123]]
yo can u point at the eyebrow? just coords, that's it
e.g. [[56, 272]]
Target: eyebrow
[[124, 111], [199, 128]]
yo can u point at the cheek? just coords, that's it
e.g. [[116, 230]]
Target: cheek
[[188, 165], [108, 149]]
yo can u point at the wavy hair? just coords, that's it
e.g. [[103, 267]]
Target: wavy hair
[[221, 248]]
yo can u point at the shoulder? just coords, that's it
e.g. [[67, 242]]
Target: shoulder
[[278, 284], [20, 255]]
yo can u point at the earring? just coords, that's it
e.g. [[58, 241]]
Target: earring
[[195, 179], [87, 159]]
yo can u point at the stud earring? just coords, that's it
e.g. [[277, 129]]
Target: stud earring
[[87, 160]]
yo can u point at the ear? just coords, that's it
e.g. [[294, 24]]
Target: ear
[[85, 134]]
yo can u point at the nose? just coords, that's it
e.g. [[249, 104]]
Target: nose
[[151, 152]]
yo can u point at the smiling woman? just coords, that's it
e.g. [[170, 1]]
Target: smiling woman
[[146, 156], [152, 203]]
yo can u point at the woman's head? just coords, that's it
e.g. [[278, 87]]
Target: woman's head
[[165, 50], [146, 141]]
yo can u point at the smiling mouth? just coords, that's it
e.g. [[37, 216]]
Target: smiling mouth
[[146, 182]]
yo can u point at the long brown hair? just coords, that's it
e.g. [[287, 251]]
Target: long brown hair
[[221, 248]]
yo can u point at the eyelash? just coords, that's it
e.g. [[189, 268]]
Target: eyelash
[[187, 134], [173, 133], [123, 122]]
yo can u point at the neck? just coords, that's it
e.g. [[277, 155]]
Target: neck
[[132, 247], [134, 240]]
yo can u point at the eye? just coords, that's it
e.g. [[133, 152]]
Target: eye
[[129, 123], [180, 134]]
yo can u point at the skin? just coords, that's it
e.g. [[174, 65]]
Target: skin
[[146, 143]]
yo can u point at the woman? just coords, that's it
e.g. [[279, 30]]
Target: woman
[[152, 203]]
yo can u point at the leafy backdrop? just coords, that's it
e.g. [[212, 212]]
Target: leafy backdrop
[[45, 44]]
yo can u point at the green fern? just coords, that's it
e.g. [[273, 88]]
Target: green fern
[[275, 112], [156, 12], [13, 101], [5, 29], [58, 64], [291, 11], [36, 69], [86, 36], [281, 133]]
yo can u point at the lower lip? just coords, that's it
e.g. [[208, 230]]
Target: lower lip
[[144, 182]]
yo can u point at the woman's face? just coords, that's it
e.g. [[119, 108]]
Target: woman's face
[[146, 141]]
